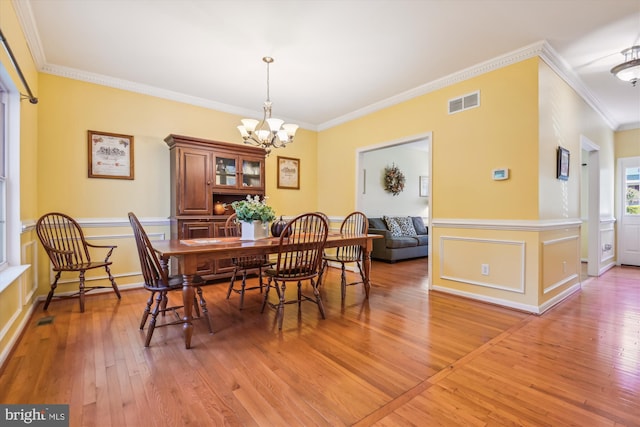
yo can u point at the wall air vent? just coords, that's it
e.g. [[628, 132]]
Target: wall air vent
[[464, 102]]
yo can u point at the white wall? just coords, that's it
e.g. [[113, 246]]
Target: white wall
[[374, 201]]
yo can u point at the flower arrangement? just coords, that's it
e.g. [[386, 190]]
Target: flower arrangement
[[253, 209], [393, 180]]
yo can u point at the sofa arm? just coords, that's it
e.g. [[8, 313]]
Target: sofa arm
[[385, 233]]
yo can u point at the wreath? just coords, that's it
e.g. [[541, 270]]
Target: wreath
[[393, 180]]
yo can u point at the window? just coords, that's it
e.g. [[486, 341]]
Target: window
[[9, 173], [3, 180], [632, 184]]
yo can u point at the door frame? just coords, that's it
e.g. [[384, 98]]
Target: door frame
[[361, 178], [621, 165], [593, 207]]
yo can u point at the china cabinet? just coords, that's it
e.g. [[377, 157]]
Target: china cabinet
[[205, 177]]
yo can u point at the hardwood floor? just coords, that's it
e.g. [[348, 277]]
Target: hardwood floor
[[404, 357]]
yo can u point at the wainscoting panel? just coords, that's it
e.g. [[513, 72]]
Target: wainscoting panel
[[560, 262], [29, 283], [490, 263], [608, 244]]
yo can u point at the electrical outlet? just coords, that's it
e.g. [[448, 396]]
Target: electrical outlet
[[485, 269]]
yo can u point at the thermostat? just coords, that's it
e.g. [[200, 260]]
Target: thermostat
[[500, 174]]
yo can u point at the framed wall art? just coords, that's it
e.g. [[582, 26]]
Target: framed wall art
[[562, 168], [110, 155], [288, 173]]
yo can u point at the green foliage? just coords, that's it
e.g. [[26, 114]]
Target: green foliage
[[253, 209], [633, 210]]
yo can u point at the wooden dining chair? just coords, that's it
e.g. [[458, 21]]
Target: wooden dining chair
[[159, 283], [65, 244], [244, 264], [355, 224], [299, 259]]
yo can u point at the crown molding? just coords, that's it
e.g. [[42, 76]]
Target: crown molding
[[457, 77], [560, 66], [540, 48]]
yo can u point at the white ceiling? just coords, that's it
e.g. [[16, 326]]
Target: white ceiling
[[334, 59]]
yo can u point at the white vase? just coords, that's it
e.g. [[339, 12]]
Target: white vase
[[254, 230]]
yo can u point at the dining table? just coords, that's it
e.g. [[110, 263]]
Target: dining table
[[190, 252]]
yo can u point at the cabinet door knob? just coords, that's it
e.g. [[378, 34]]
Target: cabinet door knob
[[208, 182]]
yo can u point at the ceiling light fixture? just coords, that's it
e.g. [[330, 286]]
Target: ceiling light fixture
[[629, 70], [270, 132]]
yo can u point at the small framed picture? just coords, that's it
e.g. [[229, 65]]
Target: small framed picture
[[288, 173], [562, 168], [424, 186], [110, 155]]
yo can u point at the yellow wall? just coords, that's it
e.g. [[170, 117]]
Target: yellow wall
[[69, 108], [627, 143], [467, 146], [525, 112]]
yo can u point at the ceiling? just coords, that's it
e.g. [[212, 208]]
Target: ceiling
[[334, 60]]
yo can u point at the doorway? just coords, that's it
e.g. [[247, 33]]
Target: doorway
[[629, 225]]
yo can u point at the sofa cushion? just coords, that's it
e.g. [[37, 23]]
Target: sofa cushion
[[423, 239], [377, 223], [418, 224], [393, 226], [402, 242], [406, 225]]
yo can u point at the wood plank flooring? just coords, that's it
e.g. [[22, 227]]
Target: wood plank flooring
[[403, 357]]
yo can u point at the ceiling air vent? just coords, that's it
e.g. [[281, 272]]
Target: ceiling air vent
[[464, 102]]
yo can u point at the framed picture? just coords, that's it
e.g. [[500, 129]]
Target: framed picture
[[110, 155], [424, 186], [288, 173], [562, 169]]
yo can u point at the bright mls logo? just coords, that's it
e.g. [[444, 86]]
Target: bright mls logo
[[37, 415]]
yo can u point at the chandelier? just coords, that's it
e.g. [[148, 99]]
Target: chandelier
[[270, 132], [629, 70]]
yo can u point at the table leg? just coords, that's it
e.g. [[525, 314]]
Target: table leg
[[187, 298], [366, 261]]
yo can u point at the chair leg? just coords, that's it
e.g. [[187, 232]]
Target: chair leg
[[113, 282], [205, 312], [231, 282], [243, 287], [81, 291], [266, 295], [196, 306], [316, 293], [260, 278], [54, 285], [280, 312], [160, 299], [147, 309], [325, 265], [343, 282], [163, 303], [361, 274]]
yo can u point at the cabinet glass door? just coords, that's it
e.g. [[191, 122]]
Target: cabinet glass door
[[226, 171], [251, 170]]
